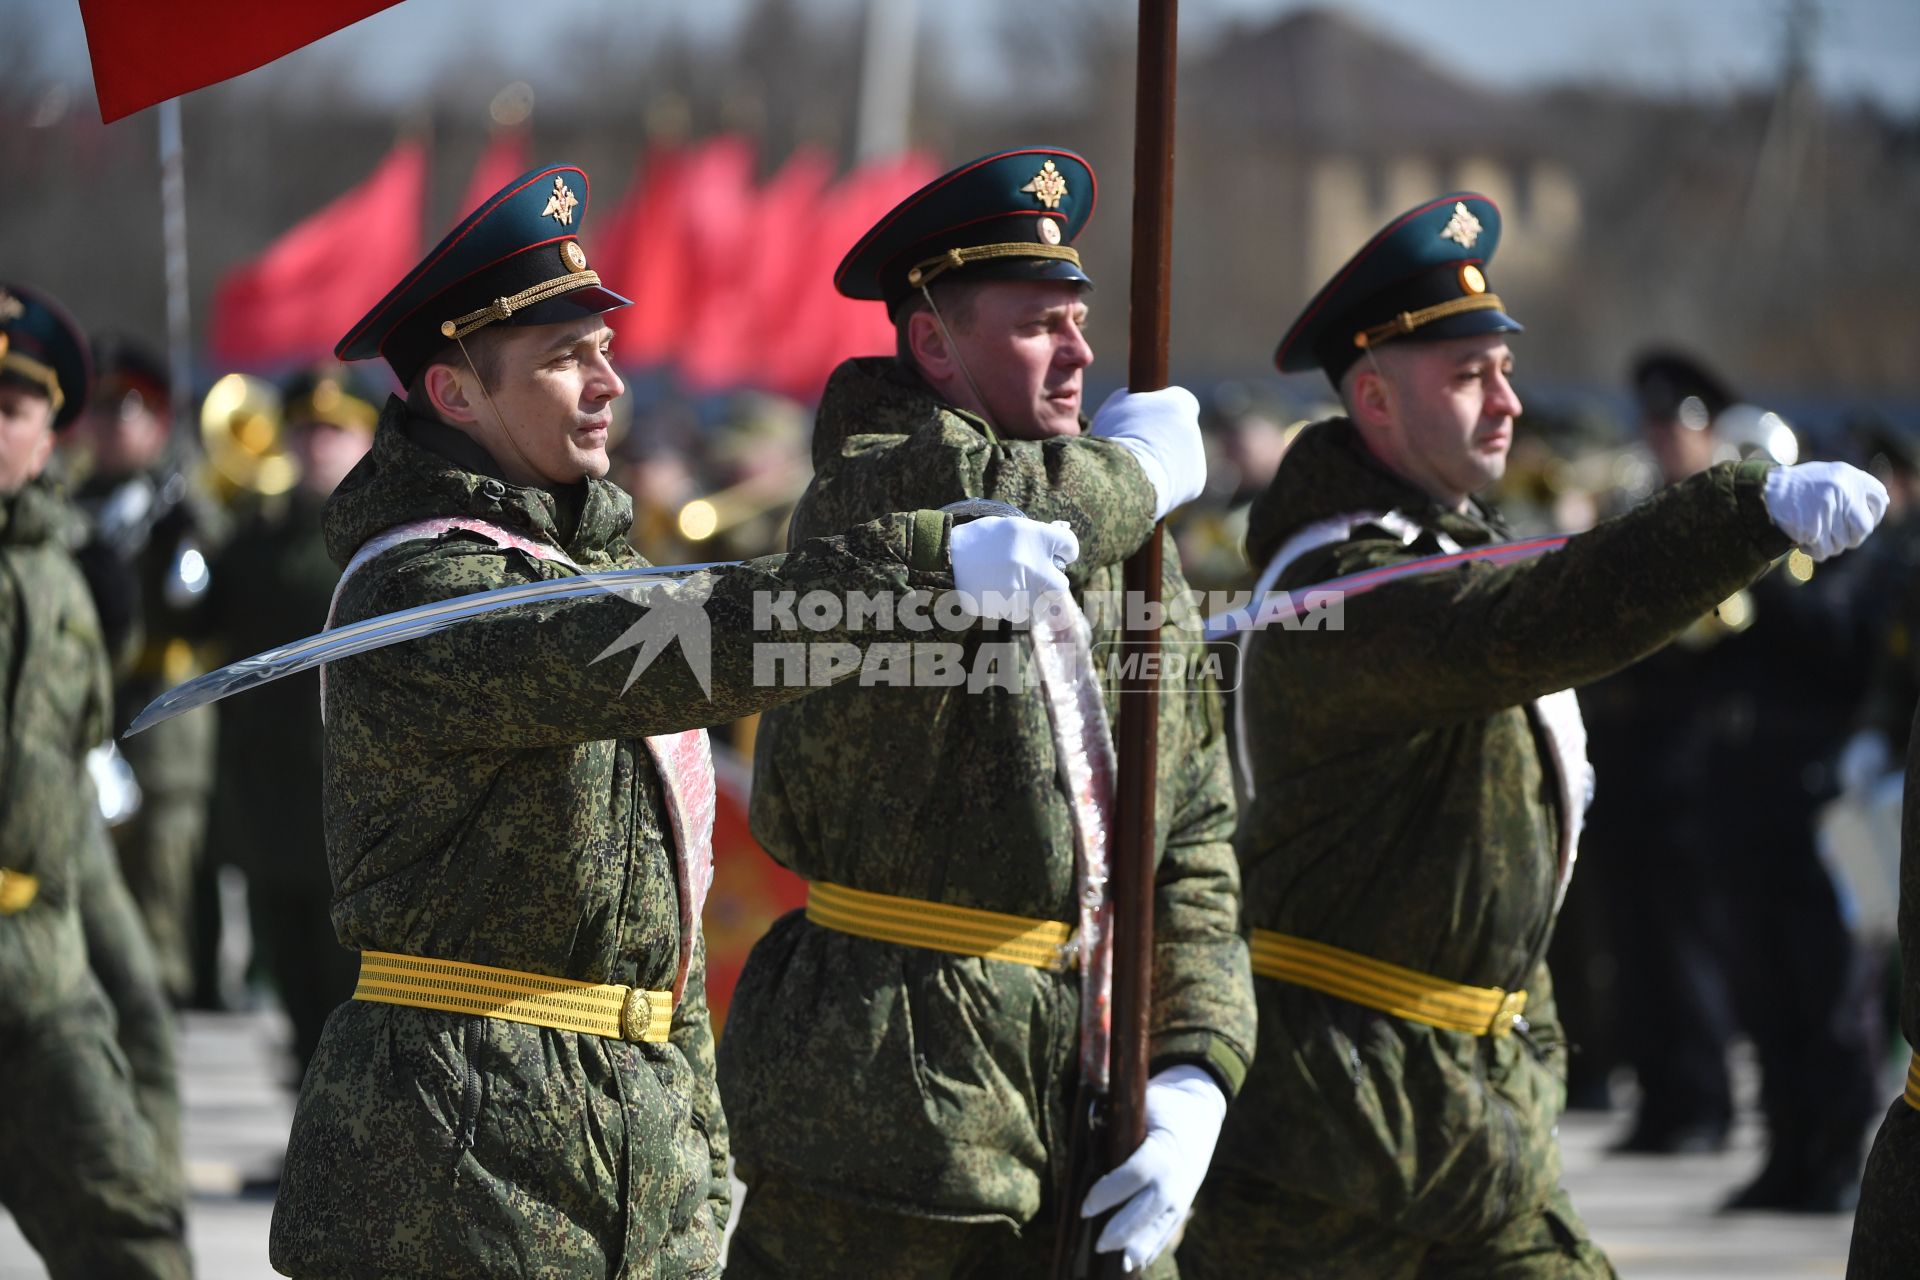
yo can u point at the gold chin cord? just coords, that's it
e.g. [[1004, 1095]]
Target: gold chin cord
[[497, 415], [960, 360]]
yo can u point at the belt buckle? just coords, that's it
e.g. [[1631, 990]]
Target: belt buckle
[[636, 1015], [1508, 1015]]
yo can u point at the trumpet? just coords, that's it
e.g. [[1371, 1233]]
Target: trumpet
[[727, 509], [240, 434]]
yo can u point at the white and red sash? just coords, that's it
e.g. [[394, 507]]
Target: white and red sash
[[684, 761]]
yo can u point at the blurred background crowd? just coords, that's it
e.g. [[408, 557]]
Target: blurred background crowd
[[1716, 261]]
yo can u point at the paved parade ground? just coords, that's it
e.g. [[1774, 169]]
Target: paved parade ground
[[1654, 1215]]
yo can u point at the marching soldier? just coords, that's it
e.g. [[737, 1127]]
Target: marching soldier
[[82, 1169], [1419, 779], [272, 585], [154, 532], [901, 1087], [519, 843]]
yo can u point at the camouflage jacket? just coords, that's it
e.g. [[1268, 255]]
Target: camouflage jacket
[[1408, 807], [55, 704], [489, 799], [928, 1083]]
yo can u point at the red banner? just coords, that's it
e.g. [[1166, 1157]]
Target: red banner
[[292, 303], [146, 52]]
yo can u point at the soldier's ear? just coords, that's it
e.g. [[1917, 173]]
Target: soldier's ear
[[1372, 399], [447, 390], [929, 346]]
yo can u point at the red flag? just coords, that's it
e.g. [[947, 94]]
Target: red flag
[[748, 286], [685, 206], [146, 52], [504, 160], [820, 327], [311, 285]]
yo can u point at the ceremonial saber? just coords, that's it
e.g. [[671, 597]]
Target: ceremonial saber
[[1277, 606], [392, 628]]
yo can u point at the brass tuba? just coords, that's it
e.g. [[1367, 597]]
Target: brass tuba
[[240, 433]]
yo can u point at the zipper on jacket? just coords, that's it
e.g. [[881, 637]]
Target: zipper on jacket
[[470, 1096]]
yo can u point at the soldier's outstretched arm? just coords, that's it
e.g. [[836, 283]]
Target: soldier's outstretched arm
[[1096, 485], [1464, 643], [705, 651]]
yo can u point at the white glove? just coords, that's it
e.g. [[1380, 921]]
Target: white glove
[[1159, 1180], [1825, 507], [1004, 565], [1162, 430], [1864, 760]]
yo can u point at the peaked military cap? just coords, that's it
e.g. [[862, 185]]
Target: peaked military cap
[[42, 348], [1665, 380], [124, 366], [331, 394], [515, 260], [1420, 279], [1008, 216]]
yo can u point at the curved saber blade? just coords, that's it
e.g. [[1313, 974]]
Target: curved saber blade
[[1281, 604], [392, 628]]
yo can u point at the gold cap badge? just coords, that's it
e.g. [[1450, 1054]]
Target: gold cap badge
[[1047, 186], [11, 308], [1471, 279], [1462, 228], [560, 203], [573, 255], [1049, 231]]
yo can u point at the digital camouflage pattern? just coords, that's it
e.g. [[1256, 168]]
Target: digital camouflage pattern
[[80, 1168], [121, 957], [1405, 733], [1886, 1230], [786, 1231], [489, 799], [1249, 1229], [1406, 809], [271, 586], [917, 1081]]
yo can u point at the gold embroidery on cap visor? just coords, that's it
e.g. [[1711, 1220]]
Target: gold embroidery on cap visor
[[503, 308], [926, 272], [1048, 186], [1407, 321]]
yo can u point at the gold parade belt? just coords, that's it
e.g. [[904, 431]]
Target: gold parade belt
[[454, 986], [17, 891], [1912, 1094], [937, 926], [1404, 993]]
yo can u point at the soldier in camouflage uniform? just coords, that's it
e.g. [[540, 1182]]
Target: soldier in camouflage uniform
[[523, 1083], [81, 1169], [1418, 780], [904, 1109]]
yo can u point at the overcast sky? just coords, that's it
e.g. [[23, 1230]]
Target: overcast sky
[[1865, 48]]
